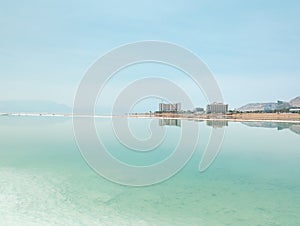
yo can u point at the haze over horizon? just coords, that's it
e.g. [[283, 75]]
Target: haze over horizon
[[252, 48]]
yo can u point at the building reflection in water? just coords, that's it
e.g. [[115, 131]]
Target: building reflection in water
[[217, 123], [170, 122]]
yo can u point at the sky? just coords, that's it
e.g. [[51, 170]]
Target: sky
[[252, 47]]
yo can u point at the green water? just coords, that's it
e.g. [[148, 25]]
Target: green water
[[45, 181]]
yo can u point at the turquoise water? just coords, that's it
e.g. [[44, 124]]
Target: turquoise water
[[45, 181]]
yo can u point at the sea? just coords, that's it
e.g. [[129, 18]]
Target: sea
[[46, 179]]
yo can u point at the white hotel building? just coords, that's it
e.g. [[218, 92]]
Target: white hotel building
[[216, 108], [170, 107]]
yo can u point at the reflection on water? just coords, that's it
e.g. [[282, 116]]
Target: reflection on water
[[217, 123], [169, 122], [294, 127]]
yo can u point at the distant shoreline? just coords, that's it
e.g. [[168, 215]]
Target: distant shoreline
[[241, 117], [247, 117]]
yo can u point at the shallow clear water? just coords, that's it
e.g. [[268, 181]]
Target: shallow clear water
[[45, 181]]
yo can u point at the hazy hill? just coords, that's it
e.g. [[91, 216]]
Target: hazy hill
[[258, 107], [33, 106], [295, 102], [270, 106]]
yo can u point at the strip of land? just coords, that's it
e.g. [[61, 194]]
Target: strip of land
[[254, 117], [274, 117]]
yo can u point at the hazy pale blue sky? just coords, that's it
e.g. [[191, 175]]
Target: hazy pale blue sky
[[252, 47]]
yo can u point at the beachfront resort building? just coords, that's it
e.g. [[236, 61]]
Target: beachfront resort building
[[199, 110], [216, 108], [169, 107]]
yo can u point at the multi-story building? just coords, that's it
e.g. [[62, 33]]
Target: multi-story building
[[282, 105], [169, 107], [218, 108], [198, 109]]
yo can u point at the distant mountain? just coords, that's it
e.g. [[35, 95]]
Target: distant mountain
[[271, 106], [258, 107], [34, 106], [295, 102]]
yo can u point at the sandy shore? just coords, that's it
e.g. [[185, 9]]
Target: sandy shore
[[245, 117]]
